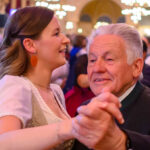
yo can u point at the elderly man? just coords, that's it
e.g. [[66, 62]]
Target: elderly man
[[114, 64]]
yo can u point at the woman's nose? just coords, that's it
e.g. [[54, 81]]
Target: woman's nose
[[66, 40]]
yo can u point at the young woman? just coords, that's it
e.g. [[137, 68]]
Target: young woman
[[33, 46]]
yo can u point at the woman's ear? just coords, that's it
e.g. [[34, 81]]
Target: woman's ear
[[29, 45], [137, 67]]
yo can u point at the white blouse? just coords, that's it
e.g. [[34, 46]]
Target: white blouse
[[16, 94]]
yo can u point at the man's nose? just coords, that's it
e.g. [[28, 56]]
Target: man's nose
[[100, 65]]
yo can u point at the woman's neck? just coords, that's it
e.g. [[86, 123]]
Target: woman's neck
[[39, 77]]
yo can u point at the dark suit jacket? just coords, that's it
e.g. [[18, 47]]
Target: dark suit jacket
[[136, 112]]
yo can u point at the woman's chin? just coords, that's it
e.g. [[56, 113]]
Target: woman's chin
[[61, 63]]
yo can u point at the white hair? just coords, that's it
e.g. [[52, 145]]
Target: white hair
[[133, 42]]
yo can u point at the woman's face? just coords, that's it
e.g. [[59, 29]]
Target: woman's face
[[51, 45]]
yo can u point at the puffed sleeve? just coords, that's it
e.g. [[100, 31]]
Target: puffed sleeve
[[15, 98]]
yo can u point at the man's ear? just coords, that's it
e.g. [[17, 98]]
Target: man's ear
[[29, 45], [137, 67]]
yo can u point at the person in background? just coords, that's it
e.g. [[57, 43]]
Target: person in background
[[115, 62], [79, 43], [145, 50], [32, 110], [147, 40], [59, 75], [146, 68], [80, 91], [1, 35]]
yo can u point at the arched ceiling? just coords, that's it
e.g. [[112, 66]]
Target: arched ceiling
[[97, 8]]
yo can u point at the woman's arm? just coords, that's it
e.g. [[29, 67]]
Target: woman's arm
[[9, 123], [39, 138]]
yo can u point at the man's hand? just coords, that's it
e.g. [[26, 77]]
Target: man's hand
[[95, 126]]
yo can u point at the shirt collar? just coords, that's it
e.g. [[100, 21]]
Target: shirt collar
[[122, 97]]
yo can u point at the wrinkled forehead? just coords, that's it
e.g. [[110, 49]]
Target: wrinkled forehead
[[107, 39], [108, 43]]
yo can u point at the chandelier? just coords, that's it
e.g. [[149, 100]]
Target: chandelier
[[60, 8], [136, 9]]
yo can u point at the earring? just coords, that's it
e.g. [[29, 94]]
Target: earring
[[33, 60]]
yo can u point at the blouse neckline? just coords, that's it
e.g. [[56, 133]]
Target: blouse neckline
[[39, 97]]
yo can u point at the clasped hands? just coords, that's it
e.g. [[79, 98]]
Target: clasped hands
[[95, 127]]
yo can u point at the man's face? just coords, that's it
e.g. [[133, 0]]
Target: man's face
[[107, 65]]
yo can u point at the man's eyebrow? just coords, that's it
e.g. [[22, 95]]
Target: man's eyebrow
[[108, 52], [92, 54]]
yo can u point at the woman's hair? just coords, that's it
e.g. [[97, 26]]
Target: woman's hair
[[129, 34], [26, 22]]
